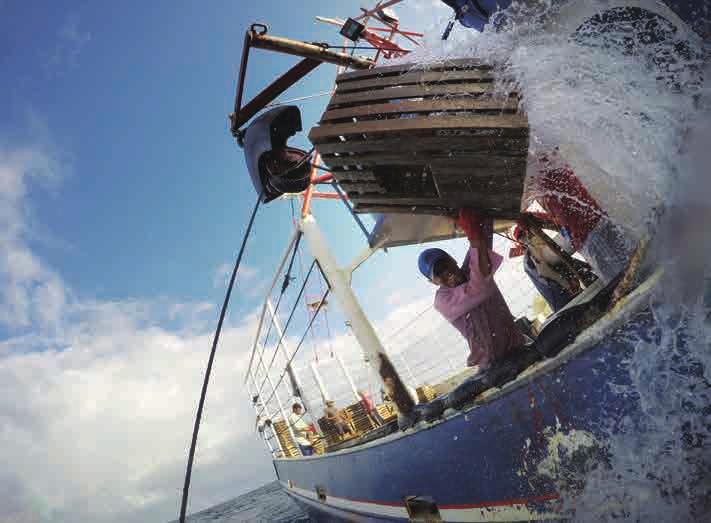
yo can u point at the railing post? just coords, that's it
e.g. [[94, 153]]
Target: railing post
[[340, 286], [256, 410], [319, 382], [283, 261], [286, 352], [279, 403]]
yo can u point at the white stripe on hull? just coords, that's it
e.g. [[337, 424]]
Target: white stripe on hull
[[485, 514]]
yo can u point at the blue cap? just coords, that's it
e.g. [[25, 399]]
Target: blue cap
[[427, 261]]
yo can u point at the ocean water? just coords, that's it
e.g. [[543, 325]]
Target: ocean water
[[267, 503]]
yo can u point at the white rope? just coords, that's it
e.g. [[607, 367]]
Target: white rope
[[299, 99]]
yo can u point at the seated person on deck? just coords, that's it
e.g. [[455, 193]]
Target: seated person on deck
[[301, 429], [469, 298], [338, 418]]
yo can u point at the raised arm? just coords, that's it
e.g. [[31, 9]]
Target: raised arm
[[472, 224]]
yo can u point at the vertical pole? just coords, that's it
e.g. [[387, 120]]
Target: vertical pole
[[339, 282], [348, 376], [286, 352], [279, 404], [319, 382], [256, 411], [275, 278]]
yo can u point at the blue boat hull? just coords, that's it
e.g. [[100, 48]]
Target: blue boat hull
[[491, 462]]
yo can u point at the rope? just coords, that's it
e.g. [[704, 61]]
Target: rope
[[301, 341], [203, 393], [298, 99], [286, 327], [284, 286]]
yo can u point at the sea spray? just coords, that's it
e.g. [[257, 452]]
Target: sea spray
[[635, 128]]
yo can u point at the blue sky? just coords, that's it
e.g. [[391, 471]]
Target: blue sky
[[136, 98]]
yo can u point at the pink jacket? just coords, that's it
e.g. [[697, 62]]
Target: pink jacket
[[453, 303], [478, 311]]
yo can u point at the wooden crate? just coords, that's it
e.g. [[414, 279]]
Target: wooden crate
[[360, 418], [400, 139], [287, 443], [425, 393], [386, 411]]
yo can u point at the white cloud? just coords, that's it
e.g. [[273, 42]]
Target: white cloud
[[70, 42], [245, 275], [29, 290], [97, 398]]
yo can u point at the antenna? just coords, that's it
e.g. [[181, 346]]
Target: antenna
[[380, 37]]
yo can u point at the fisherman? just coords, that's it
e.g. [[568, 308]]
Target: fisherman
[[468, 295], [338, 418], [301, 429], [585, 224]]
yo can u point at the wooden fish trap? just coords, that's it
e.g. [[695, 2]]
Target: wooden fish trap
[[427, 141], [287, 443]]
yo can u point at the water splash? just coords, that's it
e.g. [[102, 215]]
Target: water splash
[[634, 122]]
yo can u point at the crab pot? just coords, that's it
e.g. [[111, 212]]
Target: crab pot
[[426, 141]]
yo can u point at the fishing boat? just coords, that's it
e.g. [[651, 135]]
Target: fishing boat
[[412, 145]]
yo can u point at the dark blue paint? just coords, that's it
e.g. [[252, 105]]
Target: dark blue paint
[[474, 457]]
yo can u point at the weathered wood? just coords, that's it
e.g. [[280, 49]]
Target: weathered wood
[[361, 187], [459, 63], [412, 91], [481, 201], [436, 210], [427, 143], [431, 123], [354, 175], [415, 77], [468, 103], [435, 160], [494, 183], [400, 139]]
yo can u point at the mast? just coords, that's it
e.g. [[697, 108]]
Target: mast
[[339, 280]]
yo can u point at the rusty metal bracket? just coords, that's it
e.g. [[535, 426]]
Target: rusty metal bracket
[[313, 56]]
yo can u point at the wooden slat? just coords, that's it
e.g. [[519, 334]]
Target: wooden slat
[[459, 63], [436, 160], [427, 143], [462, 200], [436, 210], [424, 106], [416, 77], [496, 184], [360, 187], [355, 175], [430, 123], [413, 91]]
